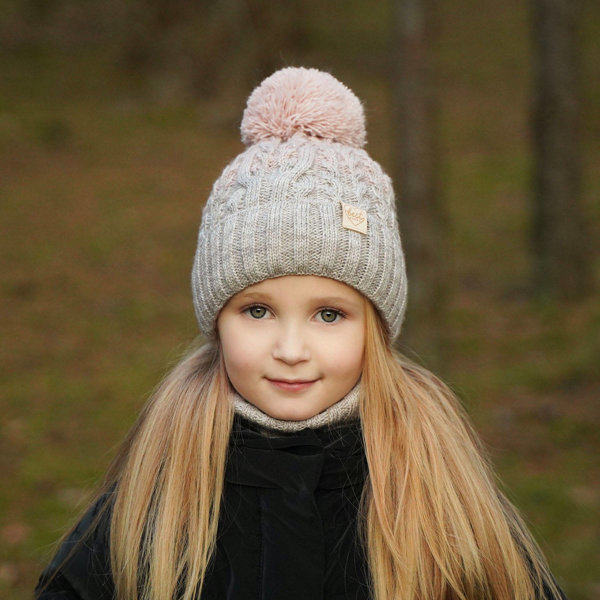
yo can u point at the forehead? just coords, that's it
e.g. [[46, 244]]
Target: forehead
[[302, 286]]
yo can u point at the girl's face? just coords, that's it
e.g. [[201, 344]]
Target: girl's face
[[293, 345]]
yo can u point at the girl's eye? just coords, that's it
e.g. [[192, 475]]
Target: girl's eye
[[256, 312], [328, 315]]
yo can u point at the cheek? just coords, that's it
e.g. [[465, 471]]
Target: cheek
[[237, 358], [238, 370], [350, 364], [241, 352], [345, 357]]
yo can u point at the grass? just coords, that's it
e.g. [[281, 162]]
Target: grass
[[102, 188]]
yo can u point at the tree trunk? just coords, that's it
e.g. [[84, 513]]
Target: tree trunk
[[416, 157], [559, 232]]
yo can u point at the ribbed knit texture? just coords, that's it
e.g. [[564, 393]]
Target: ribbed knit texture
[[277, 209]]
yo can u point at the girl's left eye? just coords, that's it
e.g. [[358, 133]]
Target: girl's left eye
[[256, 312], [329, 315]]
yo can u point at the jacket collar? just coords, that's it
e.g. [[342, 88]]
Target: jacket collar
[[330, 457]]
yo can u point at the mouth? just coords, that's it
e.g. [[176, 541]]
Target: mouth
[[292, 385]]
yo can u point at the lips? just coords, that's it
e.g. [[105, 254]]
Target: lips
[[297, 385]]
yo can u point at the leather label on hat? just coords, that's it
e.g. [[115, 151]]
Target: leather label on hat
[[354, 218]]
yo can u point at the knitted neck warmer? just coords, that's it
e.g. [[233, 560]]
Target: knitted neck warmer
[[344, 410]]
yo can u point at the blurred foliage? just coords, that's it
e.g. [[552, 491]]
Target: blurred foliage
[[115, 119]]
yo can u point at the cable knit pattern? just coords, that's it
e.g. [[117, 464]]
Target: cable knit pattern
[[344, 410], [277, 210]]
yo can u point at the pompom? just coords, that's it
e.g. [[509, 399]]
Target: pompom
[[303, 100]]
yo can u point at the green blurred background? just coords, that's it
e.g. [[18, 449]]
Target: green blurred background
[[115, 119]]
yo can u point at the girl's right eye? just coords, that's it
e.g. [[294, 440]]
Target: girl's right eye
[[256, 312]]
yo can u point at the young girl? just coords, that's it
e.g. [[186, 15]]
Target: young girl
[[295, 455]]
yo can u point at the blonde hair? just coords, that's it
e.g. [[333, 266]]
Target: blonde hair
[[169, 480], [434, 524]]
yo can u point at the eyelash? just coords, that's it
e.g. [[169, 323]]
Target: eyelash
[[337, 312]]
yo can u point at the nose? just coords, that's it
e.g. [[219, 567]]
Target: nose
[[290, 345]]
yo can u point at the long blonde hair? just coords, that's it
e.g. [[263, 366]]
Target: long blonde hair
[[169, 480], [435, 526]]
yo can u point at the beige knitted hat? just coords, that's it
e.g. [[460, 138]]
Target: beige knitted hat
[[303, 199]]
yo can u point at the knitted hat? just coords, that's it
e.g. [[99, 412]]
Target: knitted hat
[[304, 198]]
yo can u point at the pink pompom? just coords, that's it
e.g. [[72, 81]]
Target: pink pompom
[[303, 100]]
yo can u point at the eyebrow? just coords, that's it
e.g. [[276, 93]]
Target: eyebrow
[[244, 296], [336, 300]]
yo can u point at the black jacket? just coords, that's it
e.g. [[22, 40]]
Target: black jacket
[[287, 530]]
